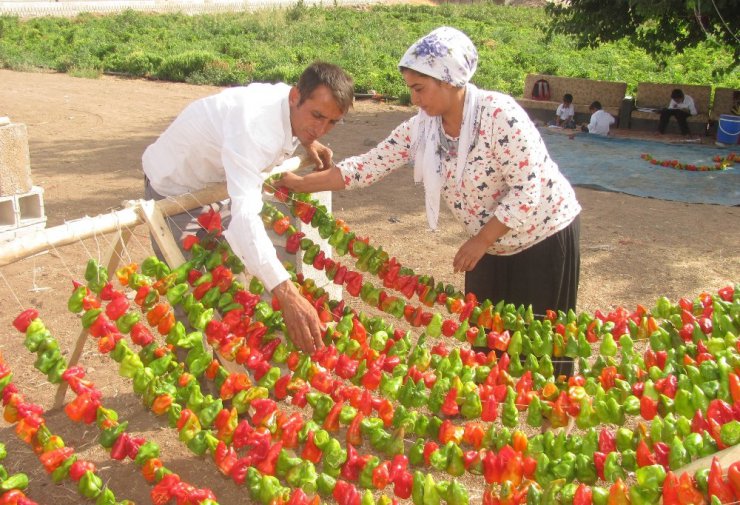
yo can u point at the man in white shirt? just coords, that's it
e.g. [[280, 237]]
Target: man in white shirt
[[681, 107], [234, 136], [600, 122]]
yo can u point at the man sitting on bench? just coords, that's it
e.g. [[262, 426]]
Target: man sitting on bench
[[681, 107]]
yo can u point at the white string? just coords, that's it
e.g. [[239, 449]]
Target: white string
[[12, 291]]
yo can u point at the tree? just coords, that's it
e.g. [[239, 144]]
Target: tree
[[660, 27]]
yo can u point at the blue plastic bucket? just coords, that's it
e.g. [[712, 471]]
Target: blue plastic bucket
[[728, 130]]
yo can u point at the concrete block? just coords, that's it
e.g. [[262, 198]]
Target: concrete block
[[15, 160], [324, 198], [22, 213]]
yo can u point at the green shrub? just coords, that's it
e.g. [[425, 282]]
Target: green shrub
[[179, 67]]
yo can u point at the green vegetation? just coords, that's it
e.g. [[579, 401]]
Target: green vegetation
[[275, 45]]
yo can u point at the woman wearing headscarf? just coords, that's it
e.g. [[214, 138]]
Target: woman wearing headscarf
[[479, 151]]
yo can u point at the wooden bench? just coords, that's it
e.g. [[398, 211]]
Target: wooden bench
[[651, 95], [584, 91], [722, 103]]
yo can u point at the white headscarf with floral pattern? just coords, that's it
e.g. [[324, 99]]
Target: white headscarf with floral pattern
[[447, 55]]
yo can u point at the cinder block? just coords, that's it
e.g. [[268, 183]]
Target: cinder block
[[8, 213], [15, 160], [324, 198], [31, 206], [22, 213]]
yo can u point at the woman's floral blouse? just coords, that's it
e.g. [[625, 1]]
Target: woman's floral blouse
[[509, 175]]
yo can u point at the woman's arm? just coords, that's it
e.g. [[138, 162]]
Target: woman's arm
[[325, 180]]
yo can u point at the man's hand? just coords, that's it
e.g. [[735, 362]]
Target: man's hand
[[301, 319], [319, 154]]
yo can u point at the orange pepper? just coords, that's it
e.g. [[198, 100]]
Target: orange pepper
[[149, 470], [161, 404]]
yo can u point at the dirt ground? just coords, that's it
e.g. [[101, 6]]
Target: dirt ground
[[86, 138]]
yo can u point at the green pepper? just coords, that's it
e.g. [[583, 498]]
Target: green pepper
[[325, 484], [130, 365], [730, 433], [270, 489], [160, 365], [89, 317], [16, 481], [534, 494], [74, 303], [90, 485], [365, 479], [269, 379], [552, 490], [333, 455], [612, 468], [585, 471], [147, 451], [565, 467], [650, 477], [678, 456], [456, 494], [106, 497], [471, 406], [61, 472]]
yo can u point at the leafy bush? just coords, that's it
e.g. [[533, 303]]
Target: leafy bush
[[277, 44]]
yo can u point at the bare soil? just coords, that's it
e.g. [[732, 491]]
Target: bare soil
[[86, 138]]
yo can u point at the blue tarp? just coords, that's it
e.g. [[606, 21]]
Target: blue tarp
[[614, 164]]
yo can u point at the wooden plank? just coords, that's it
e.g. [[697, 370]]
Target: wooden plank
[[726, 458], [161, 233]]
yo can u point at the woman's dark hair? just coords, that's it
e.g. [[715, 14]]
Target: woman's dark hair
[[320, 73]]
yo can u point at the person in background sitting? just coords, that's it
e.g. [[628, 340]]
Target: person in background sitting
[[681, 107], [600, 120], [565, 113], [735, 111]]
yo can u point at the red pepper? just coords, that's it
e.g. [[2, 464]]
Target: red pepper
[[78, 469], [643, 455], [474, 433], [23, 320], [648, 408], [52, 459], [346, 494], [267, 465], [162, 492], [381, 475], [402, 485], [599, 460], [310, 451], [670, 489], [490, 409], [583, 495], [449, 406], [618, 493], [733, 477], [354, 433], [699, 423], [719, 411], [662, 451], [688, 494], [331, 422], [385, 412], [264, 408], [429, 449], [717, 485], [607, 441], [491, 468], [225, 457]]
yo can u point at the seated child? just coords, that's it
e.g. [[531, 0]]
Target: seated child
[[600, 120], [565, 114], [681, 107]]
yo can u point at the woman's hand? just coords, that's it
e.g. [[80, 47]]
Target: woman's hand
[[469, 254], [292, 181], [319, 154], [473, 250]]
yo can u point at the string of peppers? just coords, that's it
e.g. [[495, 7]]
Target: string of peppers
[[720, 163], [12, 486], [87, 407], [58, 460]]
